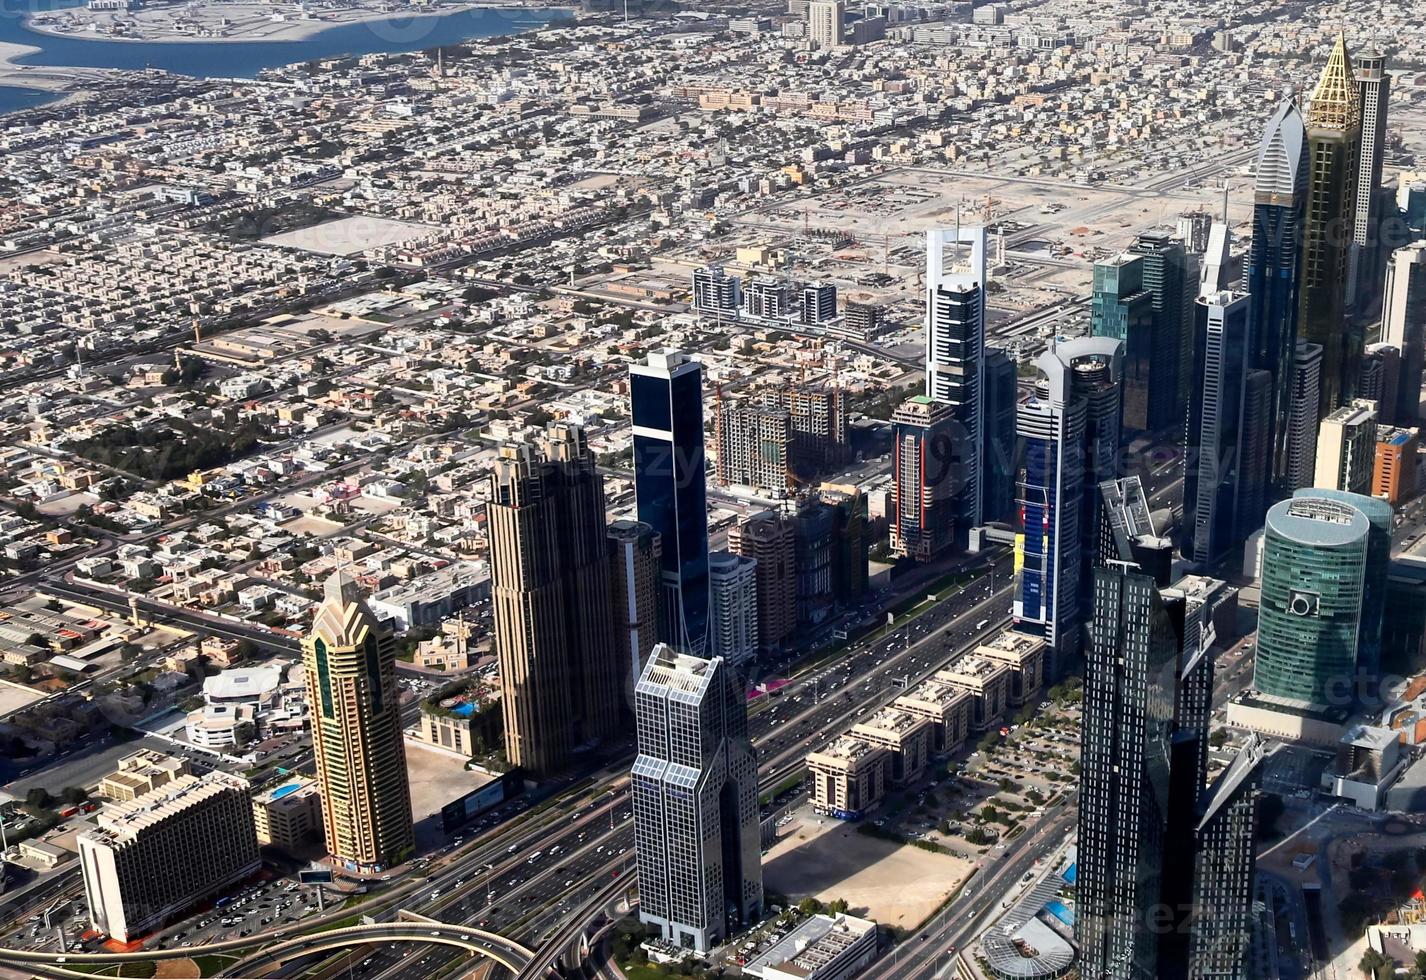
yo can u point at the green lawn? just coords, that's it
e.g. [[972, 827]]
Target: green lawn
[[643, 973]]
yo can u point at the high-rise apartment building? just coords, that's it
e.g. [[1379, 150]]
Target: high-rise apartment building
[[717, 294], [820, 440], [826, 23], [153, 856], [754, 445], [670, 484], [1127, 532], [998, 453], [770, 297], [955, 354], [695, 795], [1309, 617], [1346, 448], [1170, 279], [849, 547], [1223, 487], [1403, 324], [819, 303], [1123, 310], [769, 537], [1303, 415], [1070, 414], [926, 478], [635, 570], [1333, 149], [732, 585], [1274, 262], [549, 580], [815, 532], [1373, 94], [349, 660]]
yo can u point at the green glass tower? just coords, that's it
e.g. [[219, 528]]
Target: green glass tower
[[1123, 310], [1309, 619]]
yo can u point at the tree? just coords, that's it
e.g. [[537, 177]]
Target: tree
[[809, 906], [1371, 962], [1219, 738]]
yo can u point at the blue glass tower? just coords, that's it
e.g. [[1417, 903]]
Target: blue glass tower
[[1273, 274], [666, 399]]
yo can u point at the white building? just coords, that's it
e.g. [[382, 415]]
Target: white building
[[822, 948], [732, 587]]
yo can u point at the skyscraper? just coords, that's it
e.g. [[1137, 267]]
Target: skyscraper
[[1214, 466], [349, 660], [769, 537], [925, 475], [1127, 532], [732, 584], [826, 23], [1333, 148], [1309, 617], [695, 792], [1303, 415], [1123, 310], [1373, 94], [814, 538], [1055, 427], [666, 399], [1165, 867], [1171, 290], [1346, 448], [1403, 324], [1379, 515], [754, 445], [998, 453], [955, 354], [1273, 274], [549, 577], [635, 556], [1380, 380]]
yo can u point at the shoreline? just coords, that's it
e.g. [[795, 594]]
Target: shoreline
[[284, 32]]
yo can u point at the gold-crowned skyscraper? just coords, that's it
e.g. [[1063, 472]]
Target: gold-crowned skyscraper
[[350, 663], [1334, 143]]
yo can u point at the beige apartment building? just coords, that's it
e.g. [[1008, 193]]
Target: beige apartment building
[[1025, 656], [849, 776], [142, 772], [289, 817], [988, 683], [946, 706], [906, 735], [153, 856]]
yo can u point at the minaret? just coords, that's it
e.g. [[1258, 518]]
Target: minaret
[[1333, 146]]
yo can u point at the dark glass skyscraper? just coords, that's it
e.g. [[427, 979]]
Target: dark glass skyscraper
[[1165, 279], [1274, 260], [1333, 148], [998, 456], [1124, 311], [666, 399]]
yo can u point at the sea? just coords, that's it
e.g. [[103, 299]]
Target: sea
[[244, 59]]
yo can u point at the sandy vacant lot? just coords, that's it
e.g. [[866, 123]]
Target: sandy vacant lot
[[896, 885], [437, 778], [14, 697], [348, 236]]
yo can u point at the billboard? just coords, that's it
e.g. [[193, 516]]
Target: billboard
[[465, 809], [315, 876]]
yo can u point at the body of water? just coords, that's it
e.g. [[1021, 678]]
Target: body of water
[[244, 59], [14, 99]]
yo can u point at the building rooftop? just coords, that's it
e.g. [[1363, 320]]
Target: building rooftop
[[812, 945], [126, 820], [971, 667], [1316, 520]]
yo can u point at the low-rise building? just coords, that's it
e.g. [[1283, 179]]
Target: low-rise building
[[153, 856], [1025, 656], [987, 681], [822, 948], [849, 777], [1368, 761], [139, 773], [946, 706], [289, 817], [907, 735]]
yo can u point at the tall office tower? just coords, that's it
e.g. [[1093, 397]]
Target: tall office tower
[[926, 478], [350, 664], [818, 415], [1411, 202], [826, 23], [635, 557], [819, 303], [1094, 379], [769, 297], [1151, 839], [715, 293], [154, 855], [814, 538], [955, 354], [1333, 145], [1380, 380], [769, 537], [1346, 448], [1379, 515], [1123, 310], [1373, 94], [549, 576], [1303, 416], [1214, 466], [998, 453], [1127, 533], [666, 400], [1171, 280], [849, 548], [1192, 230], [695, 790], [1403, 324], [1273, 277], [1055, 427], [1256, 453], [1225, 869], [1126, 739], [732, 586], [754, 445], [1309, 616]]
